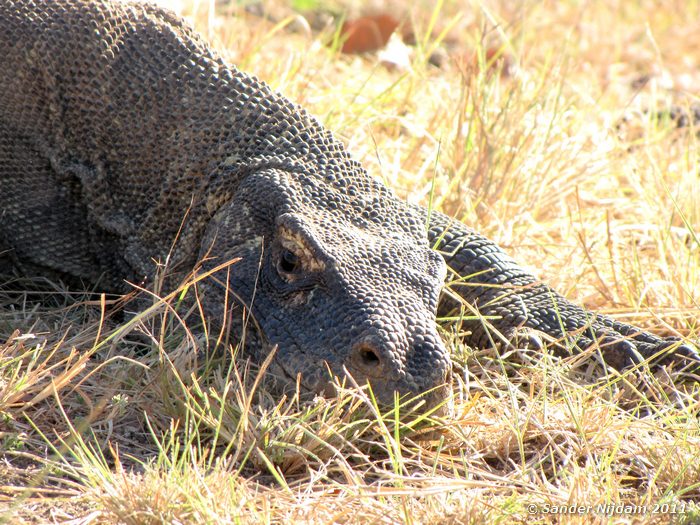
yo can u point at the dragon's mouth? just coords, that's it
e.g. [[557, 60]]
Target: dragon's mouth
[[291, 380], [295, 381]]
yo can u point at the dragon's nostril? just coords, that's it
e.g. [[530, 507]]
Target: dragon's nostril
[[368, 356]]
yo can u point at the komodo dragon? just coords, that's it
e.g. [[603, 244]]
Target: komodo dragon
[[122, 130]]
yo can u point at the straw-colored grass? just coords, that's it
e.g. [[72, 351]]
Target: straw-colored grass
[[561, 159]]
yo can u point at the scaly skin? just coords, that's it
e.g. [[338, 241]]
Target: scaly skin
[[519, 306], [121, 130]]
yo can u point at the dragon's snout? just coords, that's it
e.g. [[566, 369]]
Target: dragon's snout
[[419, 374]]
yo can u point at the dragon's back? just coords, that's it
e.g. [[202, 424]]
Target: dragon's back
[[140, 133], [109, 119]]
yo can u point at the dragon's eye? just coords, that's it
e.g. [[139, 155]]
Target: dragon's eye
[[288, 262]]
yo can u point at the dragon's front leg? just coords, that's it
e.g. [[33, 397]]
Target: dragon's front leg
[[514, 307]]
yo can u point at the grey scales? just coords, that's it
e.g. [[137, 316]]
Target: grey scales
[[126, 141]]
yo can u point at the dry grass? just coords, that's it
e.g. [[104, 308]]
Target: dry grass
[[104, 420]]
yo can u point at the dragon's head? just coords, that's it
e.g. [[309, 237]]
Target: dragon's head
[[341, 281]]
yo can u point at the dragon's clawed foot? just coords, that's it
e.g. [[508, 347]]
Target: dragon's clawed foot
[[617, 350]]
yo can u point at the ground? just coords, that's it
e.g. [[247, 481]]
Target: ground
[[546, 126]]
